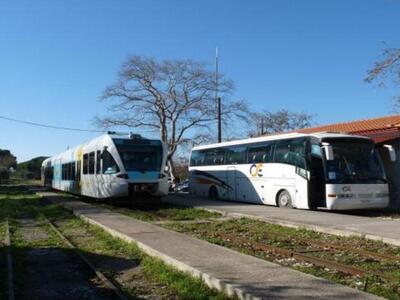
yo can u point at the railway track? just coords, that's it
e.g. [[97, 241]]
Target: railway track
[[106, 281], [10, 279], [313, 247], [326, 246]]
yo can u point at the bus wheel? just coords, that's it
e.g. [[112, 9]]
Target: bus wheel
[[284, 199], [213, 193]]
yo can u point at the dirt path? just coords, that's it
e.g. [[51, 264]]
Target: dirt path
[[126, 272], [45, 271]]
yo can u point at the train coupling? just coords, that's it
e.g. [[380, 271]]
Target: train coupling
[[142, 188]]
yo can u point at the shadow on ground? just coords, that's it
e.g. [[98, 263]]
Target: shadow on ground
[[59, 273]]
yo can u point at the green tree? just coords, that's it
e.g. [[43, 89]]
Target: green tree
[[7, 162], [30, 169]]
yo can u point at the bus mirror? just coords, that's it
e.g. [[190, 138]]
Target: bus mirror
[[328, 151], [392, 152]]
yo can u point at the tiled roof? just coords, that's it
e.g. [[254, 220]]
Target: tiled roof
[[380, 129]]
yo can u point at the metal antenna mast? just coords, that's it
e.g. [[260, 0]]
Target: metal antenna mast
[[217, 98]]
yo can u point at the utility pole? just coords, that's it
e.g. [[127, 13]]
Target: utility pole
[[262, 126], [217, 98]]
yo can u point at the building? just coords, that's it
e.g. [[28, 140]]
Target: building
[[384, 131]]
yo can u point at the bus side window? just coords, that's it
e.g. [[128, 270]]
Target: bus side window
[[235, 155], [109, 164], [197, 158], [281, 151], [259, 154], [219, 156], [291, 152], [316, 150], [209, 157]]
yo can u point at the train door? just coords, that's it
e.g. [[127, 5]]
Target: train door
[[99, 177]]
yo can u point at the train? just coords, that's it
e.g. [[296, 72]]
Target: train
[[112, 165]]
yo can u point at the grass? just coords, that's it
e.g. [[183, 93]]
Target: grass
[[160, 211], [183, 285], [252, 232], [167, 282], [3, 261], [281, 236]]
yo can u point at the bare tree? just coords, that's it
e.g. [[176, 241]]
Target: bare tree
[[280, 121], [174, 97], [387, 69]]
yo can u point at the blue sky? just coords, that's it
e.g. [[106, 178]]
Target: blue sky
[[56, 57]]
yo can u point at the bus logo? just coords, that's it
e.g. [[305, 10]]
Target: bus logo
[[346, 189], [256, 170]]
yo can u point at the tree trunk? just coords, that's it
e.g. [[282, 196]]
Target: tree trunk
[[171, 167]]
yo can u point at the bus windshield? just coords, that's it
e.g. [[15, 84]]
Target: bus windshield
[[354, 162], [141, 157]]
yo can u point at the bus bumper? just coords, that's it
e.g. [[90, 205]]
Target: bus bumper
[[356, 196]]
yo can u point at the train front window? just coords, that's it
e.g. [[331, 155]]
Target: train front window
[[141, 157]]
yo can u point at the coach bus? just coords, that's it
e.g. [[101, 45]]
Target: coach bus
[[111, 165], [308, 171]]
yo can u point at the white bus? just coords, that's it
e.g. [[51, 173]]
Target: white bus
[[307, 171]]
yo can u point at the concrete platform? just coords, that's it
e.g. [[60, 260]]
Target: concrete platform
[[221, 268], [336, 223]]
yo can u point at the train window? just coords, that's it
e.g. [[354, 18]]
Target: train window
[[109, 164], [78, 170], [67, 171], [91, 163], [98, 159], [63, 172], [73, 177], [85, 163]]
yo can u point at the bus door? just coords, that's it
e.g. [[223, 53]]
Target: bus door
[[231, 181], [316, 183]]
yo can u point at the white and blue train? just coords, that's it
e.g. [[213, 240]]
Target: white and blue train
[[111, 165]]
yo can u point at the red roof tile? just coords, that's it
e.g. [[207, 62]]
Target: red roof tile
[[380, 129]]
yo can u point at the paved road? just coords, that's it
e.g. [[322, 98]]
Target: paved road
[[322, 221], [219, 267]]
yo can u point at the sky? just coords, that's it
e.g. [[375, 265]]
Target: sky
[[56, 57]]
